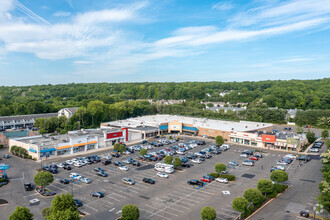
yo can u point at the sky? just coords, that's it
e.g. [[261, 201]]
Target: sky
[[65, 41]]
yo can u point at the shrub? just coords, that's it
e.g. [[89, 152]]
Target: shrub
[[130, 212], [219, 167], [215, 175], [28, 156], [272, 194], [228, 176], [278, 187], [247, 212], [3, 180], [208, 213]]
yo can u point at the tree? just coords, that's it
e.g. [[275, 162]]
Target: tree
[[254, 196], [219, 140], [43, 178], [240, 204], [122, 148], [177, 162], [279, 176], [21, 213], [310, 136], [325, 134], [62, 207], [300, 130], [208, 213], [265, 186], [130, 212], [116, 147], [143, 152], [168, 159], [219, 167]]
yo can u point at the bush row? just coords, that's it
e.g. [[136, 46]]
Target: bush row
[[228, 176], [19, 151]]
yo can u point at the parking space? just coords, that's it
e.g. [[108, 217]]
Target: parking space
[[170, 198]]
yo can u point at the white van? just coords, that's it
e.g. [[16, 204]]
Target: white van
[[163, 167]]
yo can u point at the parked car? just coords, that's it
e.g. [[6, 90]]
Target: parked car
[[144, 142], [259, 155], [118, 163], [64, 181], [28, 187], [74, 174], [136, 163], [221, 180], [163, 175], [253, 158], [67, 167], [186, 165], [243, 155], [103, 174], [207, 178], [195, 182], [316, 150], [78, 203], [6, 156], [248, 152], [304, 158], [248, 163], [148, 180], [85, 180], [128, 181], [97, 194], [98, 169], [197, 160], [233, 163], [125, 168], [106, 162], [304, 214], [115, 155]]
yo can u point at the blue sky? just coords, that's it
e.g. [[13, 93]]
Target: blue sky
[[63, 41]]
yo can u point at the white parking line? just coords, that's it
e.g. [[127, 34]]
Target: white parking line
[[223, 213], [59, 188], [155, 214], [91, 208], [191, 200], [107, 201], [30, 195], [118, 195]]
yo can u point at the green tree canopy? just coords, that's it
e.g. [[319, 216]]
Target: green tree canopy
[[325, 134], [219, 140], [122, 148], [177, 162], [310, 136], [43, 178], [130, 212], [265, 186], [219, 167], [168, 159], [116, 146], [62, 207], [143, 152], [21, 213], [240, 204], [254, 196], [279, 176], [208, 213]]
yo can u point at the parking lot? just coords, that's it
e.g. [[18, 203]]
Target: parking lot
[[170, 198]]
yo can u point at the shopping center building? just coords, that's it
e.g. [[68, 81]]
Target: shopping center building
[[44, 146]]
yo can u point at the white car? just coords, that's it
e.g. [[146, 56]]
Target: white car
[[75, 160], [74, 174], [180, 152], [280, 167], [61, 165], [197, 160], [77, 164], [69, 162], [281, 163], [107, 157], [163, 175], [77, 177], [248, 163], [314, 150], [123, 168], [226, 146], [243, 155], [85, 180], [290, 156], [221, 180]]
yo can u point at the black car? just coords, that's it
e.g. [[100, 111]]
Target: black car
[[98, 169], [208, 156], [191, 156], [28, 186], [195, 183], [78, 203], [65, 181], [97, 194], [53, 171], [46, 168], [67, 167], [136, 163], [248, 152], [304, 158], [186, 165], [53, 166], [304, 214], [200, 142], [106, 162], [148, 180], [144, 142], [216, 152], [115, 155], [102, 174], [118, 163]]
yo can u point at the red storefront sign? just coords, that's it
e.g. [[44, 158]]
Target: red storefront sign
[[114, 135], [268, 138]]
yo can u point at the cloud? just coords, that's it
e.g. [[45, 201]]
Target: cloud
[[82, 62], [223, 6], [295, 60], [62, 14]]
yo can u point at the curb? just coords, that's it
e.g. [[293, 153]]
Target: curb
[[266, 204], [4, 204]]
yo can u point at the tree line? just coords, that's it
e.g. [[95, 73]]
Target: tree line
[[301, 94]]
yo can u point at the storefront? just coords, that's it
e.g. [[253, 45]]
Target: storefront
[[268, 140]]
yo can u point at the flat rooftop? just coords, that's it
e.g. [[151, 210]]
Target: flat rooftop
[[157, 120]]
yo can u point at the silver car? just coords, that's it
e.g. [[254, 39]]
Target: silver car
[[316, 150]]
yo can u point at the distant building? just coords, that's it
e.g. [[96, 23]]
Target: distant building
[[67, 112], [21, 121], [5, 136], [225, 109]]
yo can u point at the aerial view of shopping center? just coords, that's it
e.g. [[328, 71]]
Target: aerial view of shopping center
[[164, 110]]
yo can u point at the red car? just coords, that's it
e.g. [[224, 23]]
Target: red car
[[206, 180], [253, 158]]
